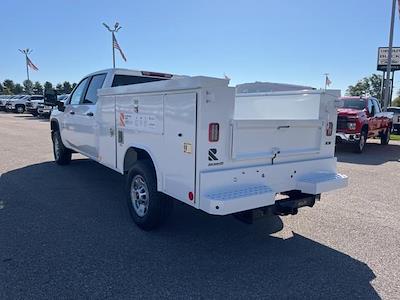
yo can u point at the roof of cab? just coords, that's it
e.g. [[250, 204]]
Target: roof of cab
[[120, 71]]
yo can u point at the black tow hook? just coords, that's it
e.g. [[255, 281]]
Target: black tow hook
[[291, 205], [285, 211]]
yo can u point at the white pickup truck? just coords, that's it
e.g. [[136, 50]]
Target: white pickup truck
[[17, 103], [194, 140]]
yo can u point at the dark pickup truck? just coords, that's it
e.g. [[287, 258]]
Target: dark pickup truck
[[361, 118]]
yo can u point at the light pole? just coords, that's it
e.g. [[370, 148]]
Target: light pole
[[116, 28], [389, 64], [26, 52]]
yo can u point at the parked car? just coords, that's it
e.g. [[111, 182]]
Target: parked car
[[396, 118], [32, 103], [361, 118], [184, 138], [17, 103], [3, 100], [45, 110]]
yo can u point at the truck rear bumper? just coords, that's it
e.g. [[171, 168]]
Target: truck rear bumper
[[229, 191], [342, 137]]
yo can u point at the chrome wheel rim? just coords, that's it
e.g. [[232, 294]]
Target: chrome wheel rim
[[362, 141], [20, 110], [139, 195], [56, 148]]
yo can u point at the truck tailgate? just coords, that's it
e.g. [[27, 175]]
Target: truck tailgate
[[255, 139]]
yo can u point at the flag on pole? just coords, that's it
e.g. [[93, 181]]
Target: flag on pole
[[116, 46], [30, 64], [327, 81], [398, 6]]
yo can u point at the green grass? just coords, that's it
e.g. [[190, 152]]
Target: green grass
[[395, 137]]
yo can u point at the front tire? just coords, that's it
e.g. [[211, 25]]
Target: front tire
[[360, 145], [20, 109], [148, 208], [385, 137], [62, 155]]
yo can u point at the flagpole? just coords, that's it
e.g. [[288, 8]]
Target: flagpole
[[389, 64], [27, 68], [113, 49], [115, 29], [26, 52]]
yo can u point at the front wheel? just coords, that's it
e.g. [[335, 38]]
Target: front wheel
[[20, 109], [360, 144], [62, 155], [148, 207], [385, 137]]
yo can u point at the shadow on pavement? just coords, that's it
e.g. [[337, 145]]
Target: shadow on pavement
[[30, 117], [374, 154], [66, 230]]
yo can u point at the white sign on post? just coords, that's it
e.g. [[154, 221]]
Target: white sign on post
[[383, 53]]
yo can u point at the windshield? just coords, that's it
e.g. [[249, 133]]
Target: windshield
[[354, 103], [62, 97]]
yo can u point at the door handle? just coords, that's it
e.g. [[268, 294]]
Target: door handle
[[90, 114], [72, 112]]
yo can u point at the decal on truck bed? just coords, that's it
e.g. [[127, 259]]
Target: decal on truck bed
[[212, 156]]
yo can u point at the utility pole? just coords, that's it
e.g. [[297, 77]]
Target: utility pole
[[389, 64], [26, 52], [113, 31]]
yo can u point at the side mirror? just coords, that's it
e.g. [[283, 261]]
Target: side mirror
[[60, 105], [50, 97]]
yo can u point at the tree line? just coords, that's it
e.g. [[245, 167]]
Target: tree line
[[370, 86], [8, 87]]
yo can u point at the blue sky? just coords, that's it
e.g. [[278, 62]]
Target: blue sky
[[277, 41]]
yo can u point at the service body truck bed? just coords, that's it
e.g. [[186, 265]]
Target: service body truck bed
[[211, 149]]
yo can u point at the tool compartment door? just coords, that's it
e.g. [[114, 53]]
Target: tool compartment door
[[179, 141], [106, 134], [254, 139]]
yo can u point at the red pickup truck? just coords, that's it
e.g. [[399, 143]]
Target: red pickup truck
[[361, 118]]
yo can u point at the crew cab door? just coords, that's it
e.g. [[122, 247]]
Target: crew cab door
[[83, 127], [379, 117], [69, 128], [372, 122]]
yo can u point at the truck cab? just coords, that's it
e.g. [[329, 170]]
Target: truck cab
[[361, 118], [79, 117]]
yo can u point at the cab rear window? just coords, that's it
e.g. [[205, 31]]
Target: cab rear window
[[394, 110], [120, 80]]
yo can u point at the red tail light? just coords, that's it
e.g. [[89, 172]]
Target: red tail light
[[213, 132], [329, 129], [191, 196]]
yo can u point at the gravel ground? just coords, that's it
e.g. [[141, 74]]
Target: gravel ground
[[65, 232]]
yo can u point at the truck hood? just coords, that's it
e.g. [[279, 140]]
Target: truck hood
[[348, 111]]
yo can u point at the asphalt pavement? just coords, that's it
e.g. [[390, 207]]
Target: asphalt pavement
[[65, 232]]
